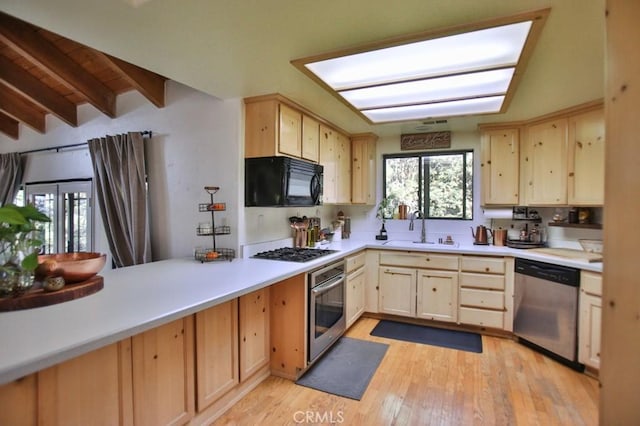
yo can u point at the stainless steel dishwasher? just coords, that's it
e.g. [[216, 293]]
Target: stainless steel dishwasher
[[546, 309]]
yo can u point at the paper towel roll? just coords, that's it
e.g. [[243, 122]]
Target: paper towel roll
[[498, 213]]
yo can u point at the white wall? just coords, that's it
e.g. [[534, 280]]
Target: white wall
[[196, 142]]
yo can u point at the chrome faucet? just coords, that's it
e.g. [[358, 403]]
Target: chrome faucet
[[423, 231]]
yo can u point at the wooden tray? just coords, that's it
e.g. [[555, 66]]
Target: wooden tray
[[571, 254], [38, 298]]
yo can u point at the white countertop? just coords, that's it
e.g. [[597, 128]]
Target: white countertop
[[139, 298]]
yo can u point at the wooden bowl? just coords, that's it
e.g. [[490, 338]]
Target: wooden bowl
[[74, 267]]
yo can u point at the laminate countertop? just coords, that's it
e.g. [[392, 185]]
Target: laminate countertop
[[138, 298]]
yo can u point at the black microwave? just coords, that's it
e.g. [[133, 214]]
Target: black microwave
[[281, 181]]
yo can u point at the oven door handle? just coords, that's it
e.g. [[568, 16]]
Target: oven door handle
[[322, 288]]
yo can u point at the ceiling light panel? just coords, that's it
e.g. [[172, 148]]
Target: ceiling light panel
[[442, 109], [463, 70], [477, 50], [477, 84]]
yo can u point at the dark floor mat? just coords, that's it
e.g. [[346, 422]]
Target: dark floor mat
[[462, 340]]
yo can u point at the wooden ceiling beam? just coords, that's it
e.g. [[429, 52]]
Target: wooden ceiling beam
[[23, 82], [9, 126], [150, 84], [25, 38], [20, 108]]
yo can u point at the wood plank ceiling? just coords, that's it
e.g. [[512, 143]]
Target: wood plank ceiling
[[44, 73]]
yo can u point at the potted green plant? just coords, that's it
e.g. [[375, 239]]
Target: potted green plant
[[19, 247]]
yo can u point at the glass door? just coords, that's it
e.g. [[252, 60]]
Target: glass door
[[69, 205]]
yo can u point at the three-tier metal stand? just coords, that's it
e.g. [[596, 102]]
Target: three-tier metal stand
[[213, 253]]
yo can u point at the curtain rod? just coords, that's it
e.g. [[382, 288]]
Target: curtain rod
[[147, 133]]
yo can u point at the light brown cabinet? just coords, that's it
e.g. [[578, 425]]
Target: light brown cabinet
[[355, 287], [335, 157], [217, 369], [163, 374], [273, 127], [545, 163], [94, 388], [417, 284], [500, 167], [288, 316], [254, 332], [590, 319], [363, 169], [486, 292], [586, 159]]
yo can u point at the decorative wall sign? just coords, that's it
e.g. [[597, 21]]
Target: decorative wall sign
[[433, 140]]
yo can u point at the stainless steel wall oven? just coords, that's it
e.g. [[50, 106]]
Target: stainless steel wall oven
[[327, 317]]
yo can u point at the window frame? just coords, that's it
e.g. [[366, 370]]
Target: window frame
[[423, 184]]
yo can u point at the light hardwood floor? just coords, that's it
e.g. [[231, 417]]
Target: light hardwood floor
[[508, 384]]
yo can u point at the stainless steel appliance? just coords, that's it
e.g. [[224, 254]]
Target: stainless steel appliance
[[546, 309], [327, 317], [293, 254], [282, 181]]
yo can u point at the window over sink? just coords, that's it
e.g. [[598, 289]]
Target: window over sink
[[440, 184]]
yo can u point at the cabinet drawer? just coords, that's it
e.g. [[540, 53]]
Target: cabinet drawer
[[482, 298], [491, 265], [420, 260], [493, 282], [354, 262], [591, 282], [485, 318]]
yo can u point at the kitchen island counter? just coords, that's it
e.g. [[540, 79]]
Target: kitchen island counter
[[142, 297]]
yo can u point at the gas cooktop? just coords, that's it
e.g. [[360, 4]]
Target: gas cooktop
[[293, 254]]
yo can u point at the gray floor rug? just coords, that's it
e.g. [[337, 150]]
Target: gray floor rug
[[346, 369]]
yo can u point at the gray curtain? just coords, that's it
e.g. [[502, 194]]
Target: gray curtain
[[119, 173], [10, 176]]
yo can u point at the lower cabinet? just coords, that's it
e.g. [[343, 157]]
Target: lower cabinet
[[355, 286], [590, 319], [217, 369], [254, 332], [94, 388], [486, 292], [419, 291], [163, 374]]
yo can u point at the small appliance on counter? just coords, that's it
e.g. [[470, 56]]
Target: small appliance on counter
[[526, 238]]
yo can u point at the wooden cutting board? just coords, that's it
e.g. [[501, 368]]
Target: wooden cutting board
[[570, 254]]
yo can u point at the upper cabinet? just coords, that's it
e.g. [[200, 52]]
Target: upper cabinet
[[363, 169], [273, 127], [335, 156], [546, 163], [586, 159], [500, 167]]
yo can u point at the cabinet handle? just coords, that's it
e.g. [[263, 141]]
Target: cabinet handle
[[434, 289], [486, 269]]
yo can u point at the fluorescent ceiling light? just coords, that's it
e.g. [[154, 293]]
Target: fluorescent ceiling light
[[436, 74]]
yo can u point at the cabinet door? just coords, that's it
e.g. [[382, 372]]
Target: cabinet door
[[328, 159], [355, 295], [363, 169], [546, 160], [343, 172], [371, 292], [254, 332], [437, 295], [590, 329], [290, 134], [310, 139], [163, 373], [217, 369], [586, 159], [94, 388], [19, 402], [397, 291], [500, 151]]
